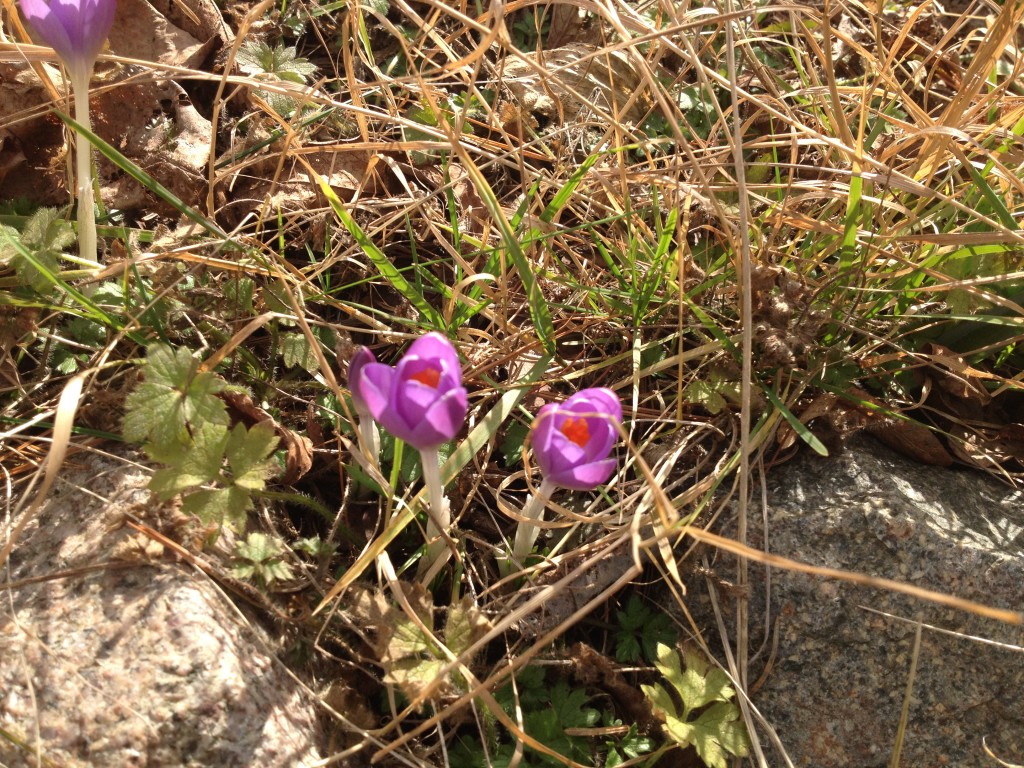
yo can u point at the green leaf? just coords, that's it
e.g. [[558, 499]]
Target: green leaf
[[715, 392], [466, 624], [260, 556], [174, 397], [717, 731], [222, 506], [189, 466], [47, 230], [314, 546], [248, 452], [721, 722], [258, 58], [259, 547], [413, 675], [36, 251], [296, 351], [642, 630]]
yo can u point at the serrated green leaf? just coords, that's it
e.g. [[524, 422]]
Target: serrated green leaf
[[314, 546], [221, 506], [661, 700], [243, 571], [256, 57], [296, 351], [569, 705], [717, 730], [30, 252], [189, 466], [8, 237], [699, 737], [248, 454], [466, 624], [174, 396], [258, 547], [408, 639], [704, 394], [698, 686], [723, 721], [48, 230], [275, 570], [414, 675]]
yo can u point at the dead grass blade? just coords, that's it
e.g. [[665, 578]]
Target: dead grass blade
[[64, 421]]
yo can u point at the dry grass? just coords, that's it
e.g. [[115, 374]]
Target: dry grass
[[763, 226]]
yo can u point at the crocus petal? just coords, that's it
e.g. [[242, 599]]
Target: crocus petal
[[75, 29], [603, 435], [442, 421], [437, 349], [360, 360], [564, 455], [602, 400], [374, 386], [421, 400], [586, 477]]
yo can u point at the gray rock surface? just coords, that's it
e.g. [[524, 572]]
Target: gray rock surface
[[835, 692], [142, 665]]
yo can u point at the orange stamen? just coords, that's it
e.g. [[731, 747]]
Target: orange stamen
[[428, 376], [576, 430]]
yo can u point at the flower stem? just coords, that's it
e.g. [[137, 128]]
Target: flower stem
[[526, 534], [83, 168], [439, 518], [370, 435]]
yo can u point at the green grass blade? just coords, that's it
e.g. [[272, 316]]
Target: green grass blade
[[387, 270], [566, 192], [539, 312], [145, 179], [798, 426]]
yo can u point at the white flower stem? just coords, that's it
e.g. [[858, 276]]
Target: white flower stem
[[526, 534], [371, 436], [83, 166], [439, 518]]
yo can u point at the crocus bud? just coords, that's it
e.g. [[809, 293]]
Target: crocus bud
[[75, 29], [360, 359], [421, 400], [572, 440]]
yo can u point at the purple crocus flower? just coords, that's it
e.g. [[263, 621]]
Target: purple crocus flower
[[75, 29], [421, 400], [572, 440]]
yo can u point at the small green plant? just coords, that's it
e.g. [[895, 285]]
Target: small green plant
[[547, 711], [552, 715], [261, 558], [266, 63], [701, 714], [641, 632], [182, 423], [35, 252]]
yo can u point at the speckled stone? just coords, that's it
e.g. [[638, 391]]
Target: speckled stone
[[836, 689], [144, 665]]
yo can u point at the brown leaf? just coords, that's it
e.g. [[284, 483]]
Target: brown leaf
[[596, 670], [913, 440], [959, 379]]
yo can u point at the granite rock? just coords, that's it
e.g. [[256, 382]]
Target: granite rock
[[837, 682], [141, 663]]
